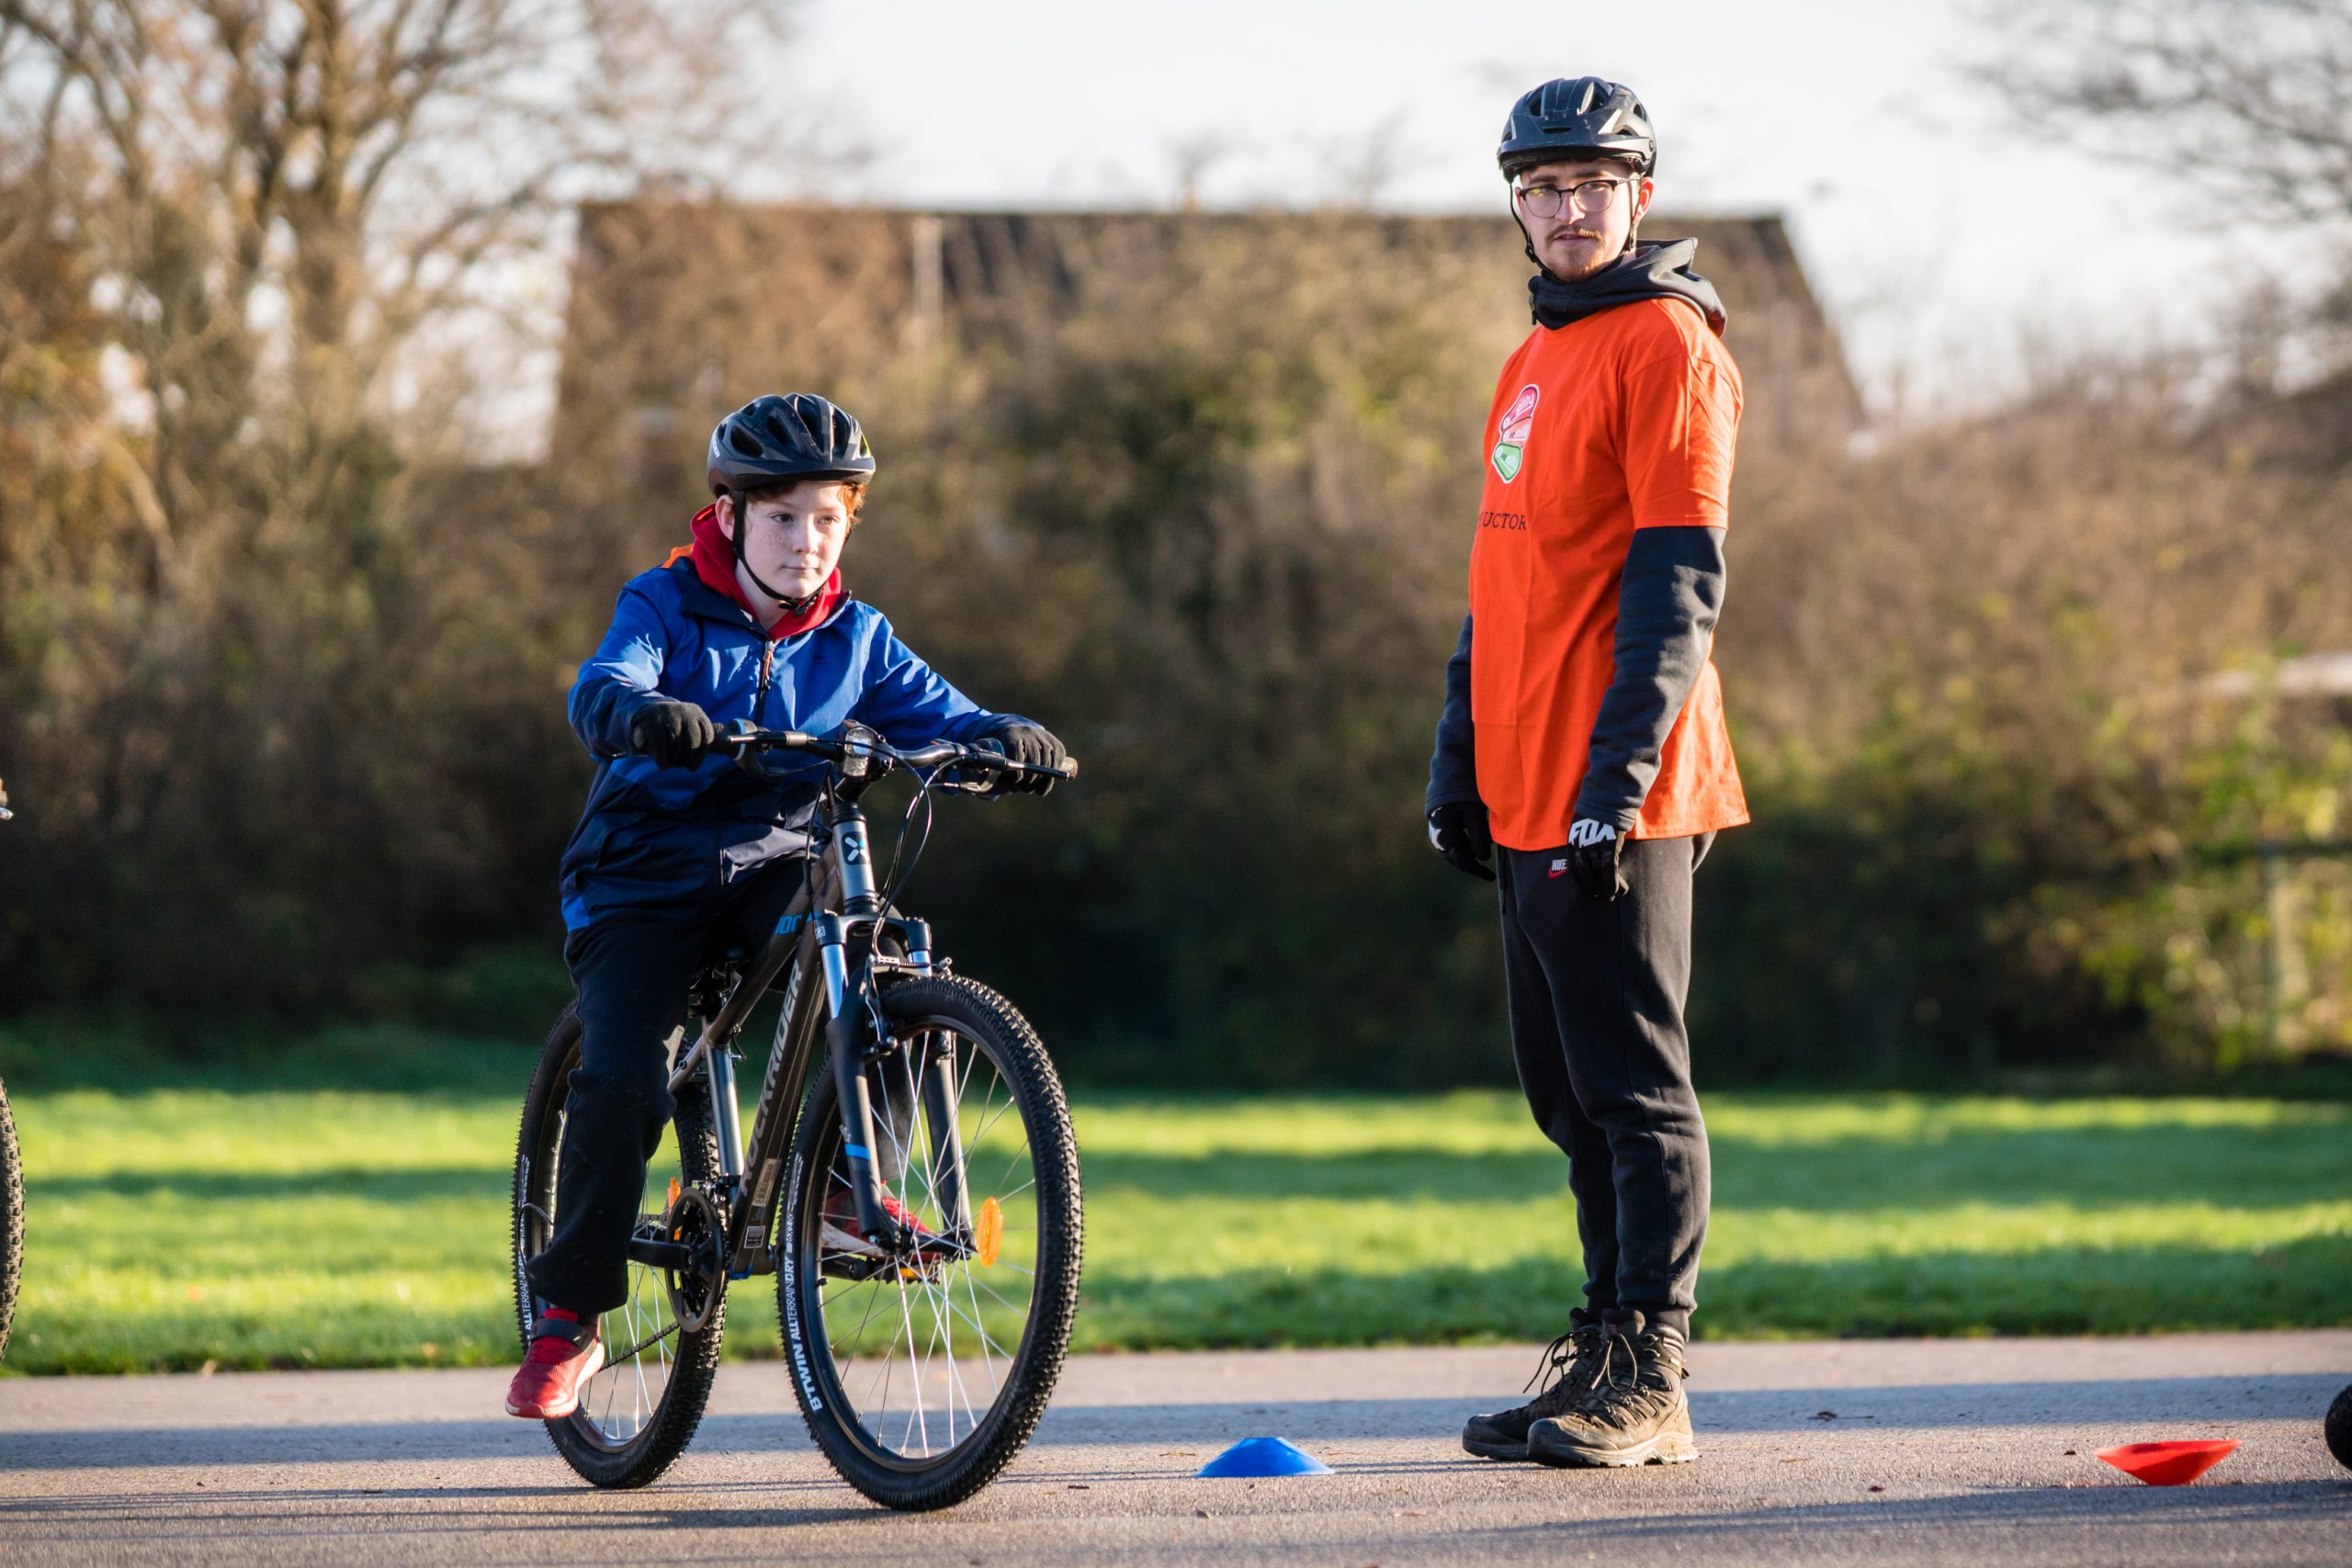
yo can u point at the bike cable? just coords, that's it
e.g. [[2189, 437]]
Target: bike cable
[[894, 879]]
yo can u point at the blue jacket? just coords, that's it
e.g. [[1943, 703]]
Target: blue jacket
[[657, 837]]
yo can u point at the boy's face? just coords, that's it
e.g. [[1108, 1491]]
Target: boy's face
[[796, 538]]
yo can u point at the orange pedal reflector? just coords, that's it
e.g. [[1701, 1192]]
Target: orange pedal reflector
[[987, 1231], [672, 1201]]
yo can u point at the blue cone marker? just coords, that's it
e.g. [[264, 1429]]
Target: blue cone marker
[[1254, 1457]]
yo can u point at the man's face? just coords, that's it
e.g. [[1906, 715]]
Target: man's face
[[797, 537], [1587, 230]]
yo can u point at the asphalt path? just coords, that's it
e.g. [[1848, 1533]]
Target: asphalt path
[[1970, 1452]]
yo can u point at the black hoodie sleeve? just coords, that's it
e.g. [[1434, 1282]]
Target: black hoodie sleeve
[[1667, 605], [1453, 772]]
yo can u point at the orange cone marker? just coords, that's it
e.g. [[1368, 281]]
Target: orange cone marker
[[2169, 1464]]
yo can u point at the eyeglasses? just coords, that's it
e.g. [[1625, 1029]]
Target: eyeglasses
[[1586, 196]]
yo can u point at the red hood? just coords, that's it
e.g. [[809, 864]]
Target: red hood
[[714, 558]]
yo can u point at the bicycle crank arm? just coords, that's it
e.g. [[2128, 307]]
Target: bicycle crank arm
[[655, 1253]]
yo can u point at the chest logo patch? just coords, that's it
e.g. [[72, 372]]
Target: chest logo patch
[[1510, 437]]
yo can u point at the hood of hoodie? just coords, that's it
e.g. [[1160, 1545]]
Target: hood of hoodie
[[1657, 269], [714, 560]]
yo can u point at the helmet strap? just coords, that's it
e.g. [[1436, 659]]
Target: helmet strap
[[740, 502]]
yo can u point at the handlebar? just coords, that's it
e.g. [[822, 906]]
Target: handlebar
[[860, 746]]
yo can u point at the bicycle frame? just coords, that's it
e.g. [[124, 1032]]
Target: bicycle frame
[[838, 945]]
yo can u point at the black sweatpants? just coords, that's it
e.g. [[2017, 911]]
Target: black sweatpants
[[631, 969], [1596, 1024]]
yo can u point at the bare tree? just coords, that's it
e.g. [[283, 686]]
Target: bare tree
[[2255, 90], [315, 178], [223, 224]]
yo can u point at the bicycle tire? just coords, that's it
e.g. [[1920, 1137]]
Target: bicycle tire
[[670, 1425], [12, 1219], [996, 1028]]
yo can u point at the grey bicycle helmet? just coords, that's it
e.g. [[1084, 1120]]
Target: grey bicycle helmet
[[775, 440], [1588, 116]]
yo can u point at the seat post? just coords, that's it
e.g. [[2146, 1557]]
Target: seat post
[[725, 1116]]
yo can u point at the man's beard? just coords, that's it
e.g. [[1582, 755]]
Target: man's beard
[[1597, 258]]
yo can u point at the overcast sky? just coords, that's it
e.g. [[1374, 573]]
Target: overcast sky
[[1935, 240]]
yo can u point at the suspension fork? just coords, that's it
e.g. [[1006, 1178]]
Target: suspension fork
[[848, 995], [846, 999]]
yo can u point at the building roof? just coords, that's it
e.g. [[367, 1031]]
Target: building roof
[[677, 307]]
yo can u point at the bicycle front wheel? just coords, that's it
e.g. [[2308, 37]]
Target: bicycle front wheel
[[922, 1379]]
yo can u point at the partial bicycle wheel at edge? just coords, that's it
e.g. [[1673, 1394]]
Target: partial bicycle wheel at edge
[[12, 1219], [921, 1384], [636, 1416]]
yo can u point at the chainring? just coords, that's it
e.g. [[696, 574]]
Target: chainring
[[696, 1222]]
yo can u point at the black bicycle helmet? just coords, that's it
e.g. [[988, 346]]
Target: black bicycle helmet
[[1588, 116], [775, 440]]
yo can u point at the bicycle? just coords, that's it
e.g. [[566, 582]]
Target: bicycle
[[921, 1354], [12, 1192]]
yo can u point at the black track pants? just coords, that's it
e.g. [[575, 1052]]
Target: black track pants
[[631, 970], [1596, 1024]]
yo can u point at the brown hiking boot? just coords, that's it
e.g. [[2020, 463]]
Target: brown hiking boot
[[1574, 1361], [1636, 1413]]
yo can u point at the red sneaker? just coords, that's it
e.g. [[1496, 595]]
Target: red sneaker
[[839, 1232], [564, 1356]]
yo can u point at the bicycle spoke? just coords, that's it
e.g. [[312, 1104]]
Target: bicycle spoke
[[873, 1300], [992, 1291], [912, 1371], [987, 1340]]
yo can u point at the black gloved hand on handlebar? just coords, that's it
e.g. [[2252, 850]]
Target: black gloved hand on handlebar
[[1028, 743], [673, 733]]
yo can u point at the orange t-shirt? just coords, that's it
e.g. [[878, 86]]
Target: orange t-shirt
[[1624, 419]]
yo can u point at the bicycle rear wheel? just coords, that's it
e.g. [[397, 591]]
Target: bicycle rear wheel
[[638, 1414], [12, 1219], [921, 1383]]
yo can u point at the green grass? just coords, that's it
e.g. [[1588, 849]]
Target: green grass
[[176, 1225]]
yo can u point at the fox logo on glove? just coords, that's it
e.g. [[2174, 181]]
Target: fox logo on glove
[[1584, 833]]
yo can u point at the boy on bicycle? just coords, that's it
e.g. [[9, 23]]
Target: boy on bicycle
[[679, 852]]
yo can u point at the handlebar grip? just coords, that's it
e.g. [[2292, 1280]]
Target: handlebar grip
[[1067, 771], [790, 739]]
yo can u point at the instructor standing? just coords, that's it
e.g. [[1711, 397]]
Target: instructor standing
[[1582, 747]]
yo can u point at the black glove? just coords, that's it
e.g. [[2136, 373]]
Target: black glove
[[1458, 831], [1594, 849], [673, 733], [1026, 742]]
